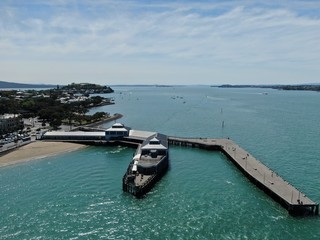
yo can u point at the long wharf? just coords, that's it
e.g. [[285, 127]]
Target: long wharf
[[263, 177], [296, 202]]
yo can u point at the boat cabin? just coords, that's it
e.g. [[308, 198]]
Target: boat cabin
[[154, 147]]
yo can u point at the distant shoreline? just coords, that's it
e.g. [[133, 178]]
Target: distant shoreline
[[12, 85], [304, 87]]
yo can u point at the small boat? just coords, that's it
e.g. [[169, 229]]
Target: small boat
[[148, 165]]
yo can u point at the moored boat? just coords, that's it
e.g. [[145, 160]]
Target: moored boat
[[148, 165]]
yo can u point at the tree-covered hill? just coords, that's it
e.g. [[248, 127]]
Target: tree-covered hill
[[88, 88]]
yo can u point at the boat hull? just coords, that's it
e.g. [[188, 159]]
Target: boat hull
[[128, 180]]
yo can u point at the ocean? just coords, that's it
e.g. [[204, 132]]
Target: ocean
[[78, 195]]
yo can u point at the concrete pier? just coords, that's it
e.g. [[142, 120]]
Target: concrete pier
[[296, 202]]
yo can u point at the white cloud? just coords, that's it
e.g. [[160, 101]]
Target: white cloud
[[235, 34]]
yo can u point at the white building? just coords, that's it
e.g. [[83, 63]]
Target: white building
[[71, 136], [10, 123], [117, 130]]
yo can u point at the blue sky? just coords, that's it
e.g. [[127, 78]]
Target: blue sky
[[160, 42]]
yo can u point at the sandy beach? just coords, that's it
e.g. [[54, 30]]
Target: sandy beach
[[37, 150]]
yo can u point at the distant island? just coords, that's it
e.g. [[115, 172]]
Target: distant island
[[302, 87], [86, 88]]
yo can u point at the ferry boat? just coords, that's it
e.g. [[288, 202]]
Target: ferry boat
[[148, 165]]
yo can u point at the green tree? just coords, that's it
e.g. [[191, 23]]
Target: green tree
[[53, 116], [98, 116], [96, 100]]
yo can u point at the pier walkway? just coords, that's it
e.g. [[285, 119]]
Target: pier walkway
[[288, 196], [296, 202]]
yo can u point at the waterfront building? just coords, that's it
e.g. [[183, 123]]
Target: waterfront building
[[118, 130], [73, 136], [10, 123]]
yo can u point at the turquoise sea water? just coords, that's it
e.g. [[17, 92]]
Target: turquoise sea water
[[203, 196]]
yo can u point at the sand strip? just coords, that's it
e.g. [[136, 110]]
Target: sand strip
[[37, 150]]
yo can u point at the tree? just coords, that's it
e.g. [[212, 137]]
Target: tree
[[96, 100], [98, 116], [53, 116]]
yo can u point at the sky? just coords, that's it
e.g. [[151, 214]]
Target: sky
[[160, 42]]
